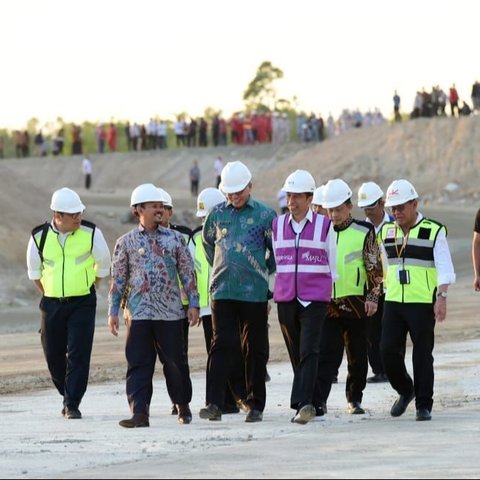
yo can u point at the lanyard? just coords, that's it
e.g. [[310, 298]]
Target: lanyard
[[404, 243]]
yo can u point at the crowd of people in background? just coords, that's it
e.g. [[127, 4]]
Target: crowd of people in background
[[243, 128]]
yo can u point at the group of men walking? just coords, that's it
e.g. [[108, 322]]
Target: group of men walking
[[359, 285]]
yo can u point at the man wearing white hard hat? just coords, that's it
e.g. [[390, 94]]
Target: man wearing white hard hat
[[354, 298], [370, 200], [235, 390], [66, 258], [419, 272], [305, 255], [146, 265], [317, 201], [237, 237]]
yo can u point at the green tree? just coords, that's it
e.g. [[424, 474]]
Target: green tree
[[260, 93]]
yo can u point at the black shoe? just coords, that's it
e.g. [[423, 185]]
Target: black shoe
[[267, 377], [229, 409], [254, 416], [138, 420], [401, 404], [184, 414], [321, 410], [242, 405], [72, 413], [423, 414], [174, 410], [378, 378], [211, 412], [355, 408]]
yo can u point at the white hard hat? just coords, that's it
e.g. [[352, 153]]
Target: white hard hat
[[400, 192], [168, 202], [66, 201], [318, 196], [207, 199], [368, 194], [147, 192], [300, 181], [235, 177], [335, 193]]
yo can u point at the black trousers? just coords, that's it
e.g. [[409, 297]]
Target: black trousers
[[418, 320], [145, 340], [250, 318], [302, 328], [67, 330], [353, 333], [235, 388], [374, 334]]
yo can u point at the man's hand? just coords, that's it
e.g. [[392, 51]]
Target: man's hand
[[113, 324], [476, 283], [370, 308], [440, 309], [193, 315]]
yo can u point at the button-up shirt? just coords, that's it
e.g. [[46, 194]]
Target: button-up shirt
[[238, 246], [145, 269]]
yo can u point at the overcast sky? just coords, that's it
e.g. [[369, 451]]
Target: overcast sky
[[99, 59]]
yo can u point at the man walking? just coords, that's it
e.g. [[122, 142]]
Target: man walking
[[146, 264], [66, 257], [419, 272], [237, 237]]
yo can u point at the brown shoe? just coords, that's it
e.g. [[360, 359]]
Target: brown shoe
[[184, 414], [138, 420]]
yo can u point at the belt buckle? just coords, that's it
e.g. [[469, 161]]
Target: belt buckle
[[63, 299]]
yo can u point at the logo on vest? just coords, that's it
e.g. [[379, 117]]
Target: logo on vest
[[308, 257]]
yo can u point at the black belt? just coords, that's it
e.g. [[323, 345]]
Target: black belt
[[71, 299]]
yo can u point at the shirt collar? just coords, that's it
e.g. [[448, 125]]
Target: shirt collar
[[308, 217]]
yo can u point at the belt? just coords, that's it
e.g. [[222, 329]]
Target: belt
[[71, 299]]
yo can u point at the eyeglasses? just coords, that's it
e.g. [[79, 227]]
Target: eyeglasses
[[400, 208], [73, 216]]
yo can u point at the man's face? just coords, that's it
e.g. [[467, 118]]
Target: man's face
[[168, 214], [375, 209], [67, 222], [151, 213], [340, 214], [239, 199], [405, 214], [298, 203]]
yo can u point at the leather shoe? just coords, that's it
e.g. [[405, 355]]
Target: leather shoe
[[378, 378], [254, 416], [72, 413], [423, 414], [401, 404], [211, 412], [321, 410], [304, 415], [138, 420], [184, 414], [355, 408]]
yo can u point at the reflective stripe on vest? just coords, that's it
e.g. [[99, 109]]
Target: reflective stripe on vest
[[352, 276], [302, 270], [202, 270], [417, 258], [68, 271]]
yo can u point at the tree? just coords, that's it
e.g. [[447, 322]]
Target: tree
[[260, 93]]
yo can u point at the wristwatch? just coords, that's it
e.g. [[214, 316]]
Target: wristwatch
[[442, 294]]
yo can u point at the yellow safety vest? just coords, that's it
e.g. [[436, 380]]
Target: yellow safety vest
[[67, 271], [202, 271], [352, 275], [414, 255]]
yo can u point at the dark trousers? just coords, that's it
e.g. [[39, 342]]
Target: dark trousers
[[250, 318], [302, 328], [418, 320], [67, 330], [145, 340], [235, 388], [88, 180], [374, 334], [352, 332]]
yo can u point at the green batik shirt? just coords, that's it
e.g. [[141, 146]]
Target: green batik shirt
[[238, 246]]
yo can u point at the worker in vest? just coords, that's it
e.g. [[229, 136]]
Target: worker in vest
[[304, 249], [146, 264], [235, 390], [187, 236], [66, 258], [419, 272], [354, 298], [370, 199]]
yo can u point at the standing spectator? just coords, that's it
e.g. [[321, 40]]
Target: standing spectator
[[162, 134], [476, 96], [194, 178], [66, 258], [19, 139], [101, 137], [218, 167], [222, 127], [76, 140], [38, 141], [58, 142], [215, 131], [453, 99], [354, 298], [146, 265], [419, 273], [25, 143], [112, 137], [305, 254], [396, 107], [192, 133], [135, 136], [128, 136], [237, 237], [87, 171], [179, 132], [203, 133]]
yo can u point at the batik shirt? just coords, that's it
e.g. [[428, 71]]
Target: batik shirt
[[238, 246], [146, 267]]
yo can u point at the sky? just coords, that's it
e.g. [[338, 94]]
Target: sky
[[99, 60]]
